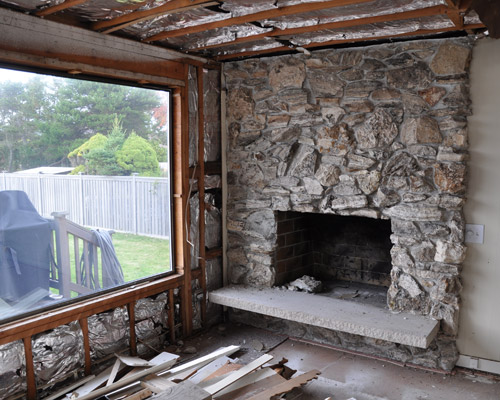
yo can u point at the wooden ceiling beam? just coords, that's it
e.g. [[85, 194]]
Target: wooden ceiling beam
[[259, 16], [281, 49], [59, 7], [147, 18], [424, 12], [168, 8]]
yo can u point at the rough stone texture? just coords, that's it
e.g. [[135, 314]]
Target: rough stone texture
[[378, 132]]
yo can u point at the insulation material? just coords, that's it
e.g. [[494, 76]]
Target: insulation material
[[108, 332], [151, 316], [243, 7], [57, 353], [213, 223], [194, 231], [12, 369], [211, 113], [336, 14], [373, 30], [264, 44], [213, 182], [471, 18], [193, 115]]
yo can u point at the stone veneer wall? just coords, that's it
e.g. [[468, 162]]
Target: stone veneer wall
[[380, 132]]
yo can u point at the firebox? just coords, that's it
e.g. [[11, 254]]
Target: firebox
[[333, 248]]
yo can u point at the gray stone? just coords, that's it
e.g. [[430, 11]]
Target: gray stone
[[356, 162], [379, 130], [448, 315], [449, 252], [371, 64], [401, 227], [242, 104], [414, 212], [401, 164], [413, 197], [418, 76], [302, 162], [277, 121], [262, 223], [287, 72], [420, 130], [448, 154], [422, 151], [352, 75], [293, 96], [333, 113], [327, 175], [361, 89], [331, 203], [364, 213], [368, 182], [285, 135], [401, 60], [306, 284], [424, 252], [451, 59], [280, 203], [450, 177], [312, 186], [346, 186], [324, 83], [414, 105], [335, 140], [432, 95], [409, 284], [434, 229], [458, 97], [242, 138], [401, 258], [385, 198], [450, 202], [359, 106], [386, 94]]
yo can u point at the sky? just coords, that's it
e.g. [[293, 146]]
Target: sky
[[13, 75]]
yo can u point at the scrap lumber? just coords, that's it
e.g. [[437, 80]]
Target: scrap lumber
[[143, 394], [116, 368], [287, 386], [93, 384], [139, 362], [221, 373], [161, 370], [69, 388], [252, 389], [205, 372], [249, 379], [183, 391], [157, 384], [233, 377]]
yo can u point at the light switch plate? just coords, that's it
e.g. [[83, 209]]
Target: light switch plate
[[474, 233]]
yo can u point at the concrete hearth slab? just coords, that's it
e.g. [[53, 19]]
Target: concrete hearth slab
[[335, 314]]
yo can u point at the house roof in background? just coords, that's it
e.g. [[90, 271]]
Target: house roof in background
[[47, 170], [232, 29]]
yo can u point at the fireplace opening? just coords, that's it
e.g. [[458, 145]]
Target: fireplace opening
[[350, 255]]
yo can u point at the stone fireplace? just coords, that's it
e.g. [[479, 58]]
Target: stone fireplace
[[379, 133]]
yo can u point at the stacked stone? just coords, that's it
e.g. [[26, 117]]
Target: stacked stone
[[378, 132]]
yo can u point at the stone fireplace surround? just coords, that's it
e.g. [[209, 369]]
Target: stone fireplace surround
[[379, 132]]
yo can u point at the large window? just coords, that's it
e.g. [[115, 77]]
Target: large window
[[84, 188]]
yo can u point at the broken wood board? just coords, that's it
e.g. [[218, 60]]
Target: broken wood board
[[222, 372], [233, 377], [114, 371], [183, 391], [252, 389], [204, 372], [251, 378], [69, 388], [160, 369], [139, 362], [157, 384], [286, 386], [93, 384], [141, 395]]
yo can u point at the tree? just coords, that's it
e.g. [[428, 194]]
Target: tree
[[137, 155]]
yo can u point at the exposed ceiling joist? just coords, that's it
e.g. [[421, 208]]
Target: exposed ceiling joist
[[424, 12], [259, 16], [151, 16], [417, 33], [168, 8], [59, 7]]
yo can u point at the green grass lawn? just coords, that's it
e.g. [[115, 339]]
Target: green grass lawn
[[141, 256]]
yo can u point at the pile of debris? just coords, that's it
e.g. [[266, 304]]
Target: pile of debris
[[214, 376], [305, 284]]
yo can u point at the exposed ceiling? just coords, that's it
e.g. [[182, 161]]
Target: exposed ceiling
[[231, 29]]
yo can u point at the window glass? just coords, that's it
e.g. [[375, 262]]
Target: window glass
[[84, 188]]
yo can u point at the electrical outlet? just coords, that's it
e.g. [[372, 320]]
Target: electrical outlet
[[474, 233]]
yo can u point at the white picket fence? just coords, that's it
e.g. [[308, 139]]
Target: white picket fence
[[130, 204]]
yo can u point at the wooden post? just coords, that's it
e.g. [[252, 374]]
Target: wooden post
[[224, 177], [30, 369], [62, 250], [171, 315], [131, 320], [84, 325], [201, 189]]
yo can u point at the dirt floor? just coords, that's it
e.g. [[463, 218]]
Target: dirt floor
[[346, 376]]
